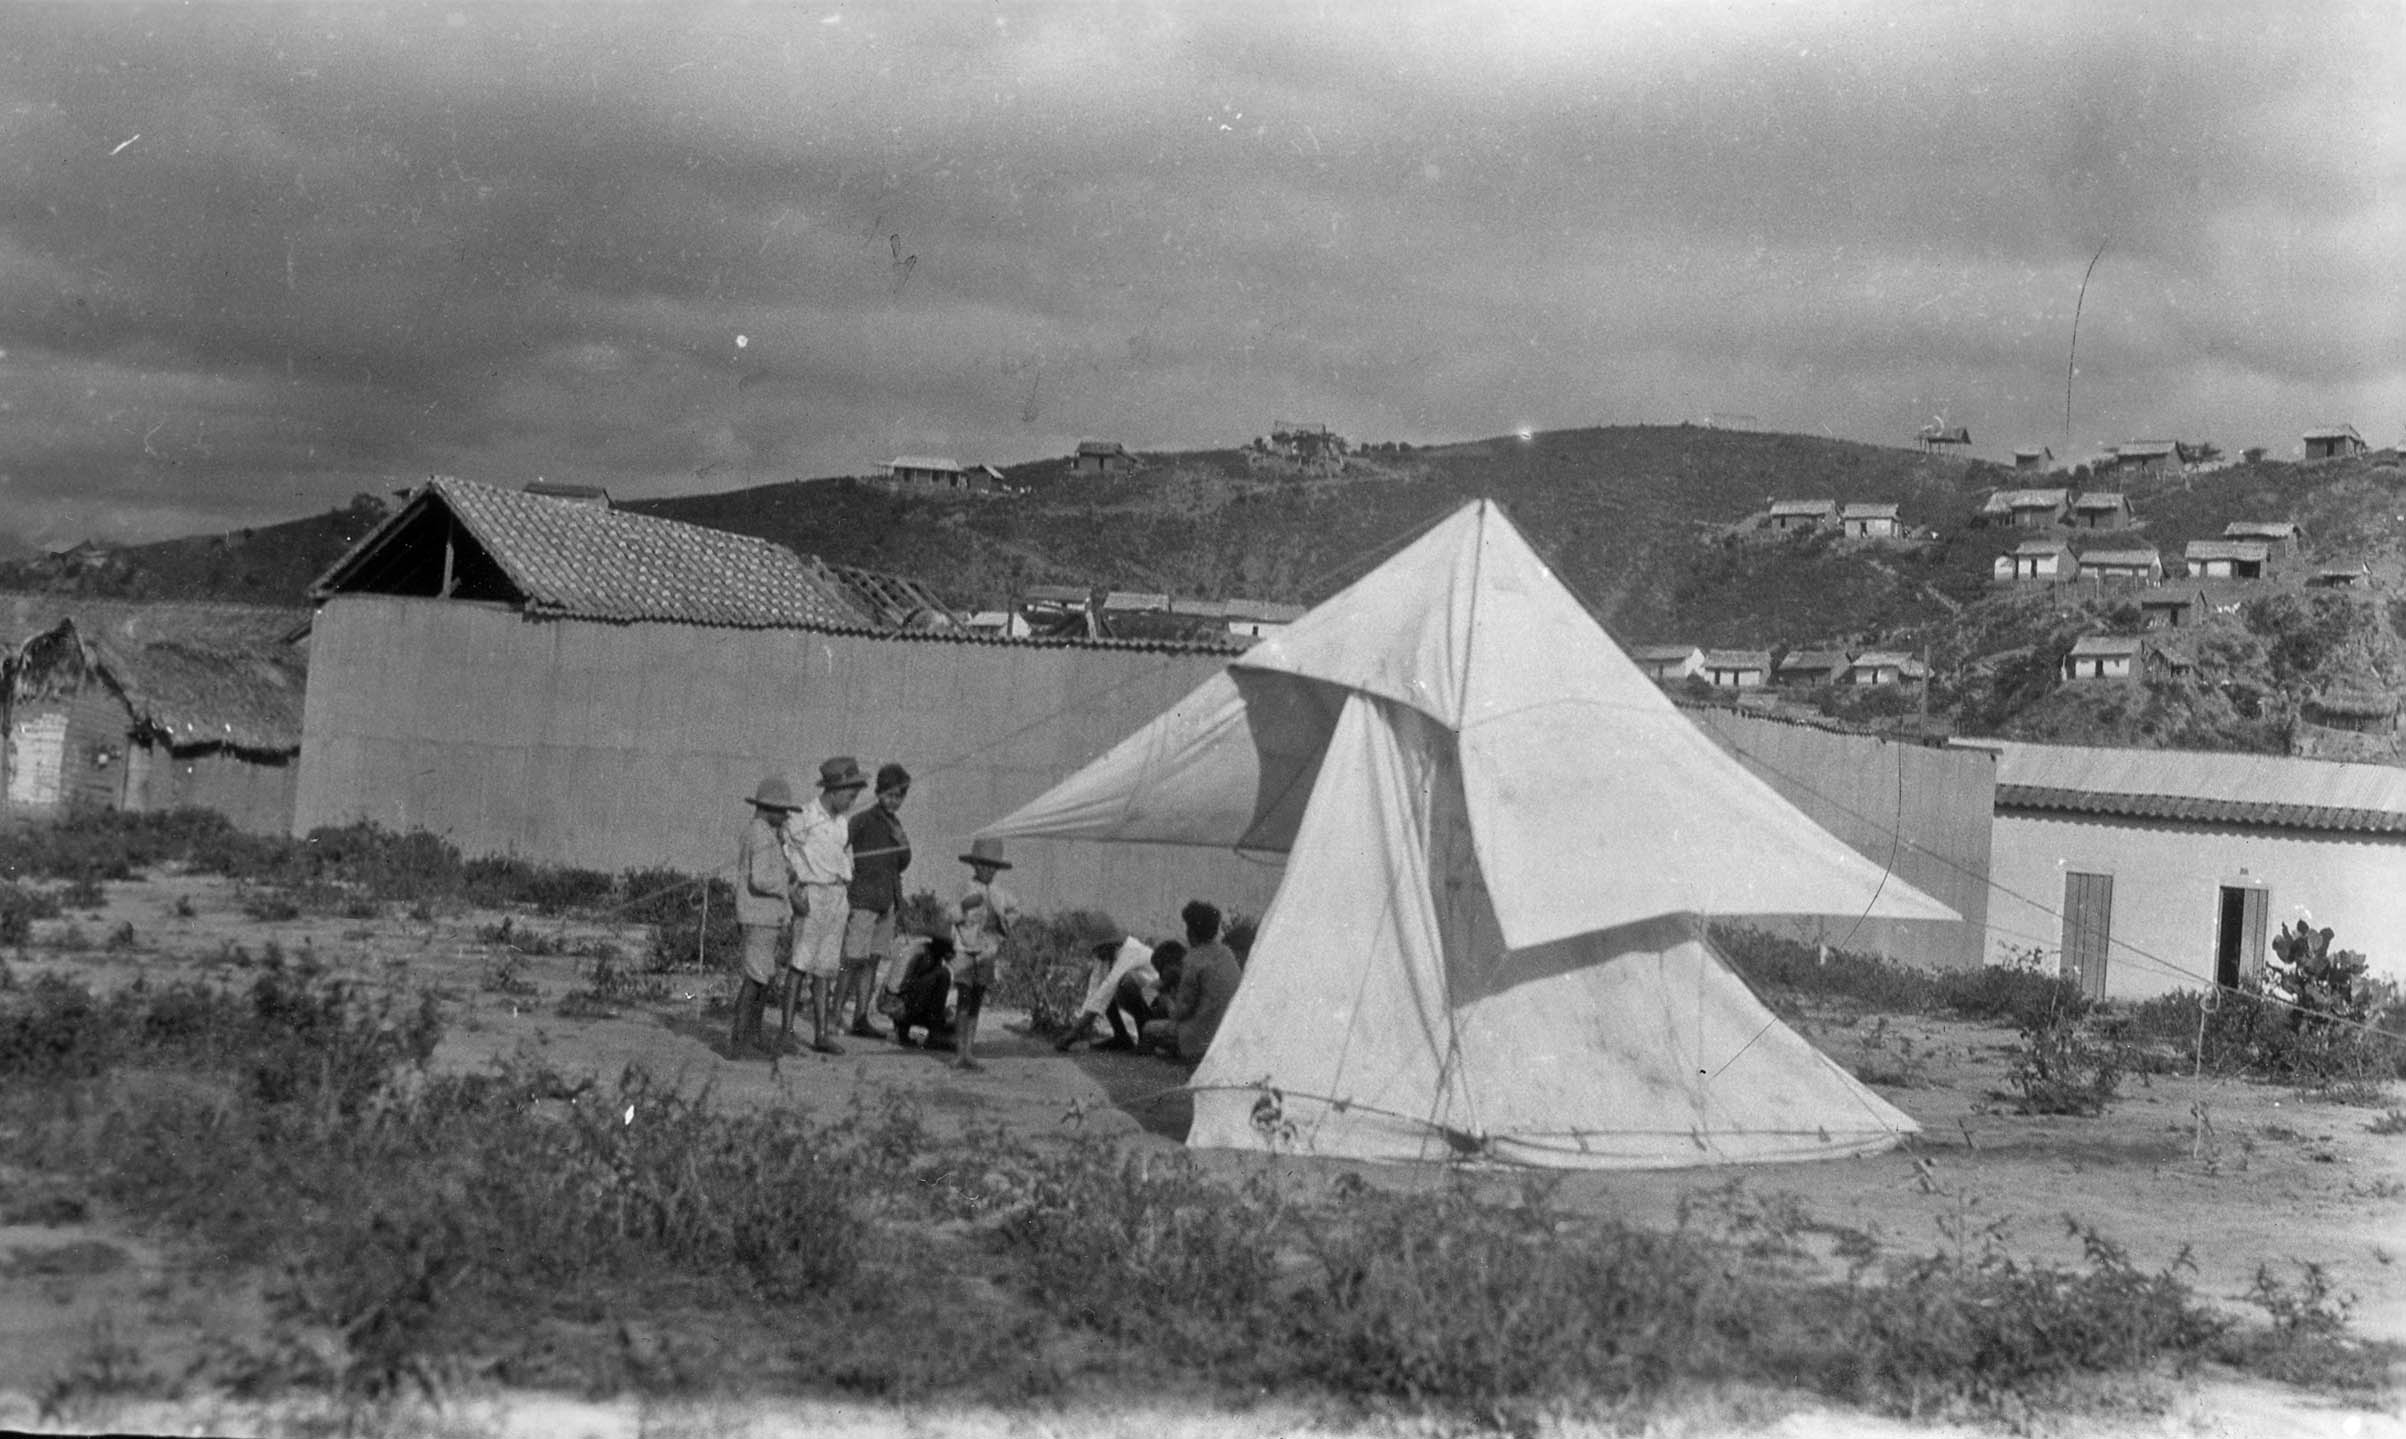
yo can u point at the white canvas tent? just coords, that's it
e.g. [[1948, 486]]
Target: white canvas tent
[[1502, 844]]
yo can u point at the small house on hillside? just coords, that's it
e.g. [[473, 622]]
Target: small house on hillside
[[2281, 537], [2150, 871], [2037, 457], [1668, 663], [1100, 457], [1811, 668], [2044, 561], [1869, 521], [1881, 667], [927, 472], [2101, 510], [1790, 515], [2136, 565], [2333, 442], [2172, 609], [2102, 657], [2148, 457], [2228, 559], [2359, 711], [2358, 576], [1936, 436], [2027, 509], [1737, 669], [142, 727]]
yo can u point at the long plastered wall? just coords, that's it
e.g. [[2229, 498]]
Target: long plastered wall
[[619, 746]]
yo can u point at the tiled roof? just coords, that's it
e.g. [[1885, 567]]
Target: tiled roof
[[2239, 789], [582, 562], [2105, 646], [1737, 659], [2134, 558], [241, 698]]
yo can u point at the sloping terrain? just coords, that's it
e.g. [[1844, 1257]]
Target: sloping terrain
[[1654, 526]]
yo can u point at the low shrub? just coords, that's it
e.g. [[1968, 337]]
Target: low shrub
[[19, 908], [2063, 1065]]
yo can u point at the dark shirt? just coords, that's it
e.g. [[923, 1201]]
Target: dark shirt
[[880, 853]]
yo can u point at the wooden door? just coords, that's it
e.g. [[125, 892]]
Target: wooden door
[[2088, 926]]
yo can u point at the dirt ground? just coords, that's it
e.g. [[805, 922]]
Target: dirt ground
[[2237, 1174]]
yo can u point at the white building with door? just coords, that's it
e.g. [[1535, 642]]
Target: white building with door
[[2148, 871]]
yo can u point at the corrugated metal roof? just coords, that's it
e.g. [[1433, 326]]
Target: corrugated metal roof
[[580, 561], [1135, 600], [2189, 784], [1868, 511], [923, 462], [2141, 558]]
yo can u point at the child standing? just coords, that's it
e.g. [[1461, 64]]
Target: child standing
[[981, 923]]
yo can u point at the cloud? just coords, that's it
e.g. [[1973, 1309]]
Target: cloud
[[352, 247]]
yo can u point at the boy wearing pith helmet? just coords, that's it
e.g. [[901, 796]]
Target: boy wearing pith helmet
[[981, 921], [818, 844], [762, 885]]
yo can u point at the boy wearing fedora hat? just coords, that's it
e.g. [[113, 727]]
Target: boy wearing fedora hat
[[981, 921], [818, 844], [762, 888]]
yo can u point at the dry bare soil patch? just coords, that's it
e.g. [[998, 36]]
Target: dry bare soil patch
[[985, 1308]]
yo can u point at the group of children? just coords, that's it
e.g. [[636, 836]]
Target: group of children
[[833, 871]]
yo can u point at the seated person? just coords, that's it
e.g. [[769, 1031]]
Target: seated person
[[1116, 960], [1144, 996], [1206, 983], [916, 1000]]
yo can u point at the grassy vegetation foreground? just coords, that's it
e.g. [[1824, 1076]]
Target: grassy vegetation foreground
[[422, 1231]]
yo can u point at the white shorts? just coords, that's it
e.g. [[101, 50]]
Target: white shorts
[[819, 935]]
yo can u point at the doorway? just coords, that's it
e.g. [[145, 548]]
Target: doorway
[[2239, 934]]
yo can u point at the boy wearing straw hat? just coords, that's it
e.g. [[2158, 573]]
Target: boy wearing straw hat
[[763, 886], [981, 921], [818, 844]]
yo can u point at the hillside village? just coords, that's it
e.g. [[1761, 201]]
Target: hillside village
[[2238, 621]]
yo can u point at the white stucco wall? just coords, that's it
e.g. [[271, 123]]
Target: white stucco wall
[[2168, 880]]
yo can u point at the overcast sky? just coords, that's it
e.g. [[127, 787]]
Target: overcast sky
[[256, 259]]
